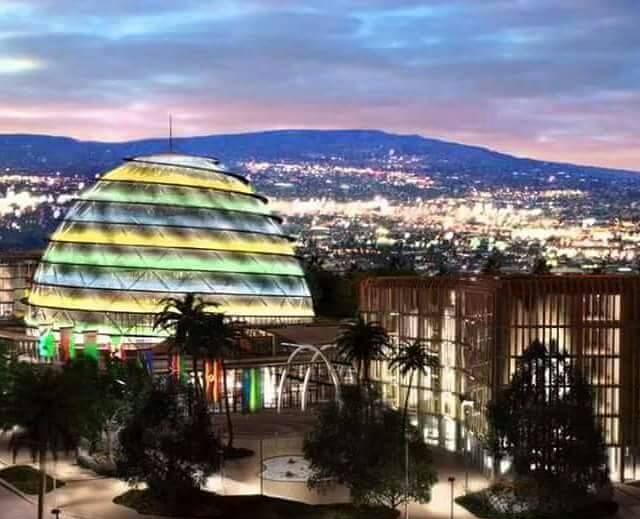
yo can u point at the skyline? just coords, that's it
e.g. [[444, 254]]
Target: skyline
[[525, 78]]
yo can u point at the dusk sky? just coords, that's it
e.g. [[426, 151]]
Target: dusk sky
[[552, 79]]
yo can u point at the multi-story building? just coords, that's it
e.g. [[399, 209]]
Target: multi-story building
[[479, 326], [16, 274]]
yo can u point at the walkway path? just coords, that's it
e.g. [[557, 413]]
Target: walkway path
[[14, 507], [86, 496], [628, 497]]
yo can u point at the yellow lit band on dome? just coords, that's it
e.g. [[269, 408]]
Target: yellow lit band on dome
[[179, 177], [173, 238], [104, 301]]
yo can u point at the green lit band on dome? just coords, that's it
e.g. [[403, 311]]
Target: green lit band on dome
[[171, 259], [122, 324], [174, 196]]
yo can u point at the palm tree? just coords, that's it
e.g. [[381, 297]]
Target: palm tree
[[48, 411], [5, 366], [540, 266], [220, 343], [360, 343], [412, 357], [185, 320]]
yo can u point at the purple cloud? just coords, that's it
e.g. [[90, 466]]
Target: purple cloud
[[557, 80]]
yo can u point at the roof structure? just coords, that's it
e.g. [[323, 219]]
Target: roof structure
[[165, 225]]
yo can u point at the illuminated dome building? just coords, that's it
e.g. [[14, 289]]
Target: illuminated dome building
[[159, 226]]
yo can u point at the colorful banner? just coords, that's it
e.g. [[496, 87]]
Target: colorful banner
[[177, 368], [251, 390], [91, 351], [213, 380], [147, 361], [65, 344]]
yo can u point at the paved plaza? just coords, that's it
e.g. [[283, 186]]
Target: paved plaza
[[87, 496]]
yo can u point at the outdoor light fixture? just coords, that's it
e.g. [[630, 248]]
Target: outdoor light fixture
[[467, 405], [451, 481]]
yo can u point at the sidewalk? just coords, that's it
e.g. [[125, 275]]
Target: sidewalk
[[87, 496], [628, 497], [13, 506]]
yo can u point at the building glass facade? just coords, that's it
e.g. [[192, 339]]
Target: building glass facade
[[479, 328]]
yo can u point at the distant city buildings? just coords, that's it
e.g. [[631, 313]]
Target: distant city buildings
[[358, 213], [16, 273]]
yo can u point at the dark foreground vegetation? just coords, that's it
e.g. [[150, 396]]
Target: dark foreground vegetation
[[545, 424], [27, 479], [213, 506], [482, 505]]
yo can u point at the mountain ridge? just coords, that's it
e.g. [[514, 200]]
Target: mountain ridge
[[47, 153]]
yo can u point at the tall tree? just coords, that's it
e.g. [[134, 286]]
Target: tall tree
[[49, 411], [221, 343], [410, 359], [171, 448], [5, 369], [544, 420], [185, 319], [494, 263], [540, 266], [112, 391], [360, 343], [360, 445]]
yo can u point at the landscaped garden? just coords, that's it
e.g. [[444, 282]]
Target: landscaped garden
[[213, 506], [27, 479], [158, 433], [544, 423]]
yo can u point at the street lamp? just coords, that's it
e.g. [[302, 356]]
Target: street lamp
[[261, 466], [451, 481], [406, 477], [467, 405]]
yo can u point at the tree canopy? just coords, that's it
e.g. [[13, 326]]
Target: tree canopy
[[49, 410], [171, 448], [360, 444], [409, 359], [360, 343], [544, 420]]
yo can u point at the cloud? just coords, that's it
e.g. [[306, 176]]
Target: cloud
[[555, 79]]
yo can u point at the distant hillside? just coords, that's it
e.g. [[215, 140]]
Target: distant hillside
[[41, 153]]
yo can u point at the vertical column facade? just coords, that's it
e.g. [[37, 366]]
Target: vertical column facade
[[479, 327]]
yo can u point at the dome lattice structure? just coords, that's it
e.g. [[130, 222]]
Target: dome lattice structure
[[160, 226]]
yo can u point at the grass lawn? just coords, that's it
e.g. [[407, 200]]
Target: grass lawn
[[212, 506], [27, 479]]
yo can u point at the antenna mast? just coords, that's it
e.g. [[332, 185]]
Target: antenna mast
[[170, 134]]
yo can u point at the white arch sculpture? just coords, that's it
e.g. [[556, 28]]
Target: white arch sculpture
[[317, 352]]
